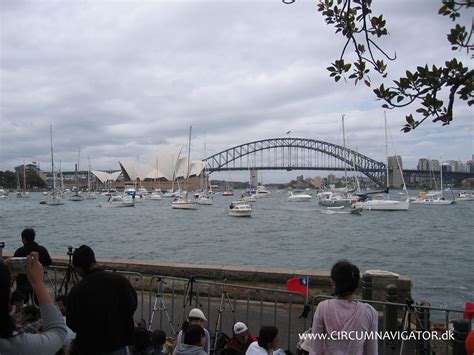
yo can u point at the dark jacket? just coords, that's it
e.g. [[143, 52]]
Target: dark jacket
[[22, 281], [233, 343], [99, 309]]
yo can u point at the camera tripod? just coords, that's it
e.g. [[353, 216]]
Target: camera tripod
[[222, 307], [160, 305], [406, 325], [189, 296], [69, 276]]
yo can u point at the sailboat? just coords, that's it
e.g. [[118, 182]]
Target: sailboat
[[23, 193], [184, 203], [76, 196], [90, 195], [54, 198], [381, 202], [433, 198], [204, 198]]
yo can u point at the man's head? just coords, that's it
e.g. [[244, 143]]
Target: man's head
[[241, 332], [28, 236], [83, 259], [196, 317]]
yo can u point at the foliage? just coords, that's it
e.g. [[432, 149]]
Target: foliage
[[426, 86]]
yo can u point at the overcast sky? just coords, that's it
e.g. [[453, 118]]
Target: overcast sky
[[120, 78]]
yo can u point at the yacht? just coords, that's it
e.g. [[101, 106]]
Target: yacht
[[262, 192], [465, 196], [118, 201], [240, 209], [299, 196]]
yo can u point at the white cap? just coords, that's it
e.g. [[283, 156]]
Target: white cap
[[197, 313], [240, 328]]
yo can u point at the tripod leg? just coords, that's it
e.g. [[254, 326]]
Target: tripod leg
[[218, 320]]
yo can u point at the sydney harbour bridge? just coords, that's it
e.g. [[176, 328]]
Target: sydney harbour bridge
[[310, 154]]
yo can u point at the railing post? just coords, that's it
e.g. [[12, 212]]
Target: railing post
[[367, 287], [461, 329], [423, 324]]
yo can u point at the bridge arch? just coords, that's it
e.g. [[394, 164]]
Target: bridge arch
[[348, 159]]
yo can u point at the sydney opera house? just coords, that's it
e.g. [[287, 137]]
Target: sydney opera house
[[167, 168]]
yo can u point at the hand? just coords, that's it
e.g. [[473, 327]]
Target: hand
[[34, 269]]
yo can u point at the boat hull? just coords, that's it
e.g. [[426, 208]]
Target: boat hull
[[184, 205], [299, 198], [383, 205]]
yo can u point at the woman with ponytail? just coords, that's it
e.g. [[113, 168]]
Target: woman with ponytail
[[345, 322]]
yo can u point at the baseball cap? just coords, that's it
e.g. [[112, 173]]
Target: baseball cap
[[197, 313], [240, 328]]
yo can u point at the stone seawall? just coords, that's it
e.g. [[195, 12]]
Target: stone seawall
[[319, 281]]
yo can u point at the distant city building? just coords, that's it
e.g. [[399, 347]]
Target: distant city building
[[470, 166], [423, 164], [300, 178], [331, 179], [453, 164]]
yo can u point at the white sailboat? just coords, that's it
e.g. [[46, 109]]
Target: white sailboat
[[204, 198], [184, 203], [77, 196], [23, 193], [90, 195], [54, 199], [382, 202], [434, 198]]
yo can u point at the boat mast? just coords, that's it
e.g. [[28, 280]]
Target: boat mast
[[24, 178], [344, 145], [88, 173], [52, 160], [386, 147], [189, 161]]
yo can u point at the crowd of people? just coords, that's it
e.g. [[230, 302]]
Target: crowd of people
[[97, 316]]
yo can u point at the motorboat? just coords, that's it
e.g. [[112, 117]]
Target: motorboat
[[156, 196], [118, 201], [227, 193], [240, 208], [184, 204], [299, 196], [249, 197], [171, 194], [77, 196], [204, 199], [262, 192], [465, 196], [91, 196]]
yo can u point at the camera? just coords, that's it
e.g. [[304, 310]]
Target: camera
[[18, 265], [70, 250]]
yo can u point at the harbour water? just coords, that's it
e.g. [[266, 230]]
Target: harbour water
[[433, 245]]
